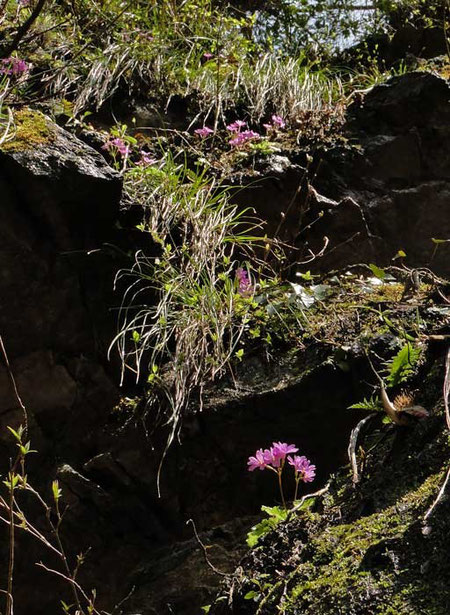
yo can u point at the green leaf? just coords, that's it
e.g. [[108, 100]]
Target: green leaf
[[17, 434], [252, 595], [306, 276], [403, 364], [371, 404], [239, 354], [56, 490], [206, 608], [438, 241], [136, 336], [377, 272], [276, 514]]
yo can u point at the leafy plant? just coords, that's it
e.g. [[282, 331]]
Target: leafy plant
[[372, 404], [184, 307], [275, 514], [403, 364]]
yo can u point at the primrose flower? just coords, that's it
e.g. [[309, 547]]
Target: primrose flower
[[257, 462], [278, 121], [13, 66], [236, 126], [146, 160], [204, 132], [119, 145], [281, 449], [242, 138], [304, 469], [245, 287]]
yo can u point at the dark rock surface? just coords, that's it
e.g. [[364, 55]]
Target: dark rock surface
[[387, 189], [376, 547]]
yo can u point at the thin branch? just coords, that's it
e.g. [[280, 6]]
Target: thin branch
[[14, 385], [24, 28], [308, 496], [205, 554], [447, 389], [72, 582], [427, 529]]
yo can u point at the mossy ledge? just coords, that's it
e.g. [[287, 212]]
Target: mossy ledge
[[30, 129], [365, 549]]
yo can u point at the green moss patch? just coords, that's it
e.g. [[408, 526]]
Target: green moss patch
[[31, 129]]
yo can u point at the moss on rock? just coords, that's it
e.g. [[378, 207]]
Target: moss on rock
[[31, 129], [367, 548]]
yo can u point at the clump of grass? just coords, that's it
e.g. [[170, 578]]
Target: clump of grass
[[182, 307]]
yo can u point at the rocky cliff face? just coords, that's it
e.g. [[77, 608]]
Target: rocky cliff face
[[384, 189], [59, 200]]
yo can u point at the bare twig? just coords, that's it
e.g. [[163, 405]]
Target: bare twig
[[14, 385], [308, 496], [427, 529], [447, 389], [205, 554], [24, 28], [72, 582]]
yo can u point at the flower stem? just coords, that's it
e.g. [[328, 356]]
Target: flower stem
[[280, 483], [297, 480]]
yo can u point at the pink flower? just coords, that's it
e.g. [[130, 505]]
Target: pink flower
[[304, 469], [119, 145], [258, 461], [281, 449], [208, 55], [146, 160], [236, 126], [278, 121], [245, 287], [13, 66], [203, 132], [242, 138], [270, 459]]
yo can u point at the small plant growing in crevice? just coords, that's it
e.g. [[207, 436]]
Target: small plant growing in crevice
[[274, 459]]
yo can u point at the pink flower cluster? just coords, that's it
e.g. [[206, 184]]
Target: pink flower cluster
[[245, 287], [275, 456], [304, 469], [241, 137], [271, 457], [277, 123], [13, 66], [204, 132], [146, 160], [118, 145]]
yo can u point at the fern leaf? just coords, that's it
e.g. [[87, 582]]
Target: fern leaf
[[403, 364]]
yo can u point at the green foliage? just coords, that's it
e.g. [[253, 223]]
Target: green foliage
[[377, 272], [182, 317], [403, 364], [421, 13], [372, 404], [276, 514]]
